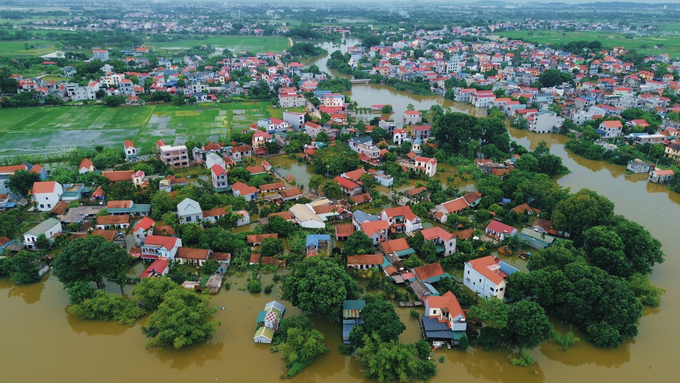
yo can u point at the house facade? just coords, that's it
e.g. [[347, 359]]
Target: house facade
[[50, 227], [189, 211], [46, 194]]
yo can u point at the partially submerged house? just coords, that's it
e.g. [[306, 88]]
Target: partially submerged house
[[444, 320], [268, 322], [486, 276], [351, 316]]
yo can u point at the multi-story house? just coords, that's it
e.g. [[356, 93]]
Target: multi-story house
[[130, 150], [485, 276], [365, 146], [174, 156], [402, 219], [412, 117], [219, 177], [46, 194], [100, 54], [544, 122], [156, 246], [445, 241]]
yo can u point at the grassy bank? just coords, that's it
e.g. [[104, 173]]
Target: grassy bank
[[253, 44]]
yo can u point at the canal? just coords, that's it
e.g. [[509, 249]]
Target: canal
[[40, 341]]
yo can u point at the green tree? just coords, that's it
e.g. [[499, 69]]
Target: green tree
[[567, 340], [300, 349], [80, 291], [528, 325], [22, 181], [210, 267], [319, 285], [300, 321], [331, 189], [271, 247], [150, 292], [582, 210], [190, 232], [254, 286], [553, 77], [527, 162], [387, 109], [106, 306], [22, 269], [393, 361], [491, 311], [645, 291], [379, 318], [184, 318], [335, 160], [91, 259], [358, 243]]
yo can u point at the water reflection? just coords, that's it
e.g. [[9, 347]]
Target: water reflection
[[95, 327], [495, 365], [194, 355], [30, 293]]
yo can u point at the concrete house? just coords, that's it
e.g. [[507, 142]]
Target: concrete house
[[365, 261], [157, 246], [212, 159], [268, 322], [376, 230], [219, 177], [141, 229], [486, 277], [130, 150], [318, 244], [660, 176], [445, 241], [107, 222], [427, 165], [499, 230], [402, 219], [189, 256], [46, 194], [306, 217], [189, 211], [608, 129], [86, 166], [444, 319], [50, 227], [412, 117], [245, 191]]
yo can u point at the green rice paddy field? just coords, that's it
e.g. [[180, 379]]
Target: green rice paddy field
[[253, 44], [648, 44], [49, 130]]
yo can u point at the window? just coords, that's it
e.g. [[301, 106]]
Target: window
[[188, 219], [468, 271], [491, 288], [42, 206], [480, 280], [501, 289]]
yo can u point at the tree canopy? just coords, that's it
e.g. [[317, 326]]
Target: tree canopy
[[300, 349], [91, 259], [22, 181], [319, 285], [150, 292], [335, 160], [184, 318], [394, 361], [582, 210], [379, 318]]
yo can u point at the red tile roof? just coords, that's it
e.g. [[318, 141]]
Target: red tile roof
[[404, 211], [488, 267], [500, 227], [189, 253], [395, 245], [158, 266], [119, 175], [126, 204], [86, 163], [365, 259], [44, 187], [447, 301], [373, 227], [345, 183], [429, 271], [113, 219], [157, 240], [218, 170], [145, 223], [436, 232]]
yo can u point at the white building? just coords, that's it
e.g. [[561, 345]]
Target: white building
[[483, 276], [545, 122], [402, 219], [213, 159], [427, 165], [189, 211], [306, 217], [219, 177], [611, 128], [100, 54], [130, 150], [156, 246], [50, 227], [142, 229], [46, 194], [294, 119]]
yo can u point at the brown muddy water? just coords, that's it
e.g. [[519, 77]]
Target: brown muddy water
[[40, 341]]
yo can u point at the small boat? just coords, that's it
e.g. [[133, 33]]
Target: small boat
[[505, 250], [220, 307]]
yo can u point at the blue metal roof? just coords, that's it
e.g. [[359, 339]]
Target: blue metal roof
[[506, 268], [436, 330], [313, 239]]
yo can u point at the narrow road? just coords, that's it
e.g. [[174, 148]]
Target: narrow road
[[290, 42]]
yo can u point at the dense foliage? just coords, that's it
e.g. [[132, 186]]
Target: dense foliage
[[319, 285]]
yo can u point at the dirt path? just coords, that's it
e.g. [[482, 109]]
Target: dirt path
[[290, 42]]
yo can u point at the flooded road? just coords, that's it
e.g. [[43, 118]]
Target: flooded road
[[40, 341]]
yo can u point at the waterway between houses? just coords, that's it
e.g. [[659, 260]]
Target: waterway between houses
[[40, 341]]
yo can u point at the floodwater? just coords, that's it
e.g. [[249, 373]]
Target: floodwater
[[40, 341]]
